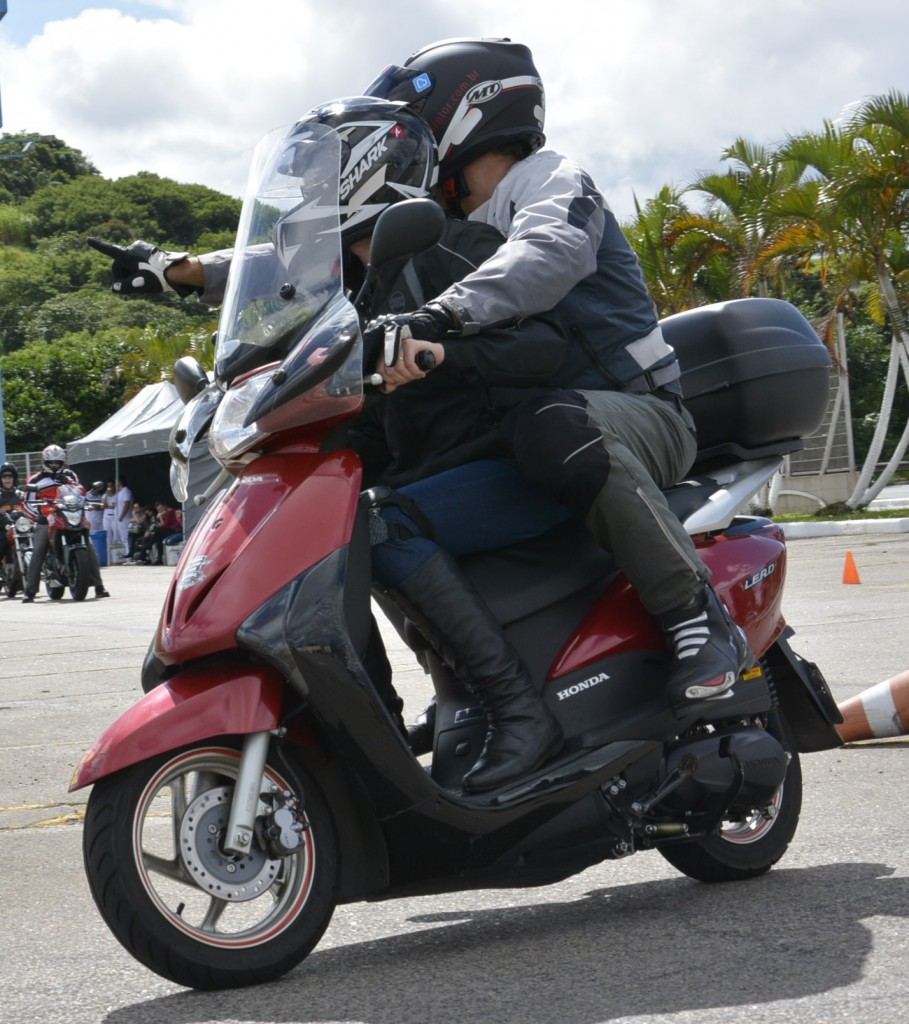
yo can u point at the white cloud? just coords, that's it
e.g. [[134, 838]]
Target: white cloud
[[642, 92]]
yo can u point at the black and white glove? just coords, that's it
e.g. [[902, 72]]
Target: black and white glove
[[431, 322], [139, 269]]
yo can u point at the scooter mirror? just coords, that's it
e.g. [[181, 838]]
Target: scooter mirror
[[189, 378], [406, 228], [402, 230]]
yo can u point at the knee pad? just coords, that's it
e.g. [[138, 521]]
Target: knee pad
[[556, 446]]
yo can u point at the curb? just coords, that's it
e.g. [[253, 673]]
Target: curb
[[842, 528]]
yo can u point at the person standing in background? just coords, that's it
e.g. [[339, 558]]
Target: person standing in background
[[124, 509], [109, 518], [94, 506]]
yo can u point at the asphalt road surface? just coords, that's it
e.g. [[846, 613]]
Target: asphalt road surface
[[821, 938]]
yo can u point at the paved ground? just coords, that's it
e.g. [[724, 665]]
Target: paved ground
[[821, 938]]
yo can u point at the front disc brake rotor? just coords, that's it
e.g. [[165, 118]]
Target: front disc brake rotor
[[225, 876]]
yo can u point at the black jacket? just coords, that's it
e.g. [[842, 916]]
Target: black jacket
[[451, 416], [10, 499]]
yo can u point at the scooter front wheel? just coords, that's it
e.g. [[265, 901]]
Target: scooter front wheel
[[182, 906]]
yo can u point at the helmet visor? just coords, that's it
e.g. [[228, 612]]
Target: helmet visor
[[404, 85]]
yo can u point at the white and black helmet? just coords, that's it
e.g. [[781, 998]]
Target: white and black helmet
[[388, 154], [53, 458], [476, 95]]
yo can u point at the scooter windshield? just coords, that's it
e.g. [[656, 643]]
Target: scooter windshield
[[286, 272]]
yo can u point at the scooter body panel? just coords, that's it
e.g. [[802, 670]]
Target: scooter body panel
[[286, 512], [197, 704], [749, 571]]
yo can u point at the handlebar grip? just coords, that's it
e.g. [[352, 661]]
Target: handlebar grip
[[426, 360]]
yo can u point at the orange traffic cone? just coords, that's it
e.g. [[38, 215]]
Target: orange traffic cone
[[881, 710], [850, 573]]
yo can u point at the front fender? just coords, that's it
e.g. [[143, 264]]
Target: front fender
[[194, 705]]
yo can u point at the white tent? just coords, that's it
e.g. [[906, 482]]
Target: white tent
[[132, 445], [141, 427]]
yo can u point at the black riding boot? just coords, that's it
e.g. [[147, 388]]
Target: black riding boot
[[522, 733], [709, 651], [378, 668], [421, 732]]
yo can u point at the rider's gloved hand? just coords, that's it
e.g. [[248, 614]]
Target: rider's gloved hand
[[431, 322], [139, 269]]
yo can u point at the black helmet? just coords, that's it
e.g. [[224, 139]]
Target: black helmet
[[388, 154], [476, 95], [8, 467]]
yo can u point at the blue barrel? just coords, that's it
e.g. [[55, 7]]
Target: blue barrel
[[99, 539]]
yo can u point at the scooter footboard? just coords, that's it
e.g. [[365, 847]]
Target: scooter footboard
[[195, 704]]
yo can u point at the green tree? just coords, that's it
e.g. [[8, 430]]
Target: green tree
[[61, 390], [34, 162], [666, 258], [728, 242], [90, 311], [849, 211], [155, 350], [23, 287], [15, 225], [168, 213]]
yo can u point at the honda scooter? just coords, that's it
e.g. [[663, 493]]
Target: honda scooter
[[262, 780]]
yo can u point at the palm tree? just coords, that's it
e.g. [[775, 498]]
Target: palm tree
[[848, 209], [739, 222], [159, 350], [665, 258]]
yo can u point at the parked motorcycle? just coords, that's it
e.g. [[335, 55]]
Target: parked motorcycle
[[23, 550], [10, 573], [261, 780]]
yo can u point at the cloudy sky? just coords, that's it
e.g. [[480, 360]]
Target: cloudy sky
[[641, 92]]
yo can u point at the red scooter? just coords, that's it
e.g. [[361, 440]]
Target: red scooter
[[261, 780]]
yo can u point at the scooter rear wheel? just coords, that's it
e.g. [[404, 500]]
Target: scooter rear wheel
[[176, 901], [746, 849]]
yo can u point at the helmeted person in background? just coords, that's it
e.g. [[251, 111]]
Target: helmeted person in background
[[613, 430], [43, 487], [10, 500]]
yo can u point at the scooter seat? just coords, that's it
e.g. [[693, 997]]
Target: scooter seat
[[519, 580]]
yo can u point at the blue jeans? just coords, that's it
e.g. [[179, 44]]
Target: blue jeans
[[476, 507]]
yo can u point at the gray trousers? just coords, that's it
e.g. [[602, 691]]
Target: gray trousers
[[606, 455]]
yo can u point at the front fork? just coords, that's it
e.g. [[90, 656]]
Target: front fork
[[244, 807], [262, 809]]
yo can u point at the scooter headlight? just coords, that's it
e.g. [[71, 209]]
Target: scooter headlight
[[228, 437]]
